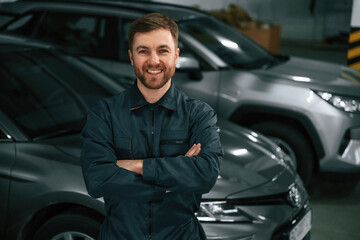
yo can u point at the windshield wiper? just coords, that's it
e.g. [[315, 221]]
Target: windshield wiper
[[277, 59], [254, 65]]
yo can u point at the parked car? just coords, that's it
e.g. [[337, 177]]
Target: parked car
[[310, 108], [45, 95]]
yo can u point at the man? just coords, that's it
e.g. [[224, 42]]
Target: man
[[151, 151]]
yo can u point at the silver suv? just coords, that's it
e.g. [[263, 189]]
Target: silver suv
[[310, 108]]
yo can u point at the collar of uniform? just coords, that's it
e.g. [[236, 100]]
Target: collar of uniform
[[137, 100], [169, 100]]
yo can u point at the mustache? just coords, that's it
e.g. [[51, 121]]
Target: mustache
[[159, 65]]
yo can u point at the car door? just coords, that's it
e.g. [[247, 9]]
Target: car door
[[7, 158]]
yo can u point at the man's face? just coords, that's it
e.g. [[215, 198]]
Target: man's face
[[154, 57]]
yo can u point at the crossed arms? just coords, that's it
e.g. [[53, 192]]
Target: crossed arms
[[136, 166], [147, 179]]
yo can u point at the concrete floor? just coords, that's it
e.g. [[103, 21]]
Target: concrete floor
[[335, 200], [335, 204]]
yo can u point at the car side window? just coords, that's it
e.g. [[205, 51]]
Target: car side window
[[25, 25], [77, 33], [36, 99], [124, 40]]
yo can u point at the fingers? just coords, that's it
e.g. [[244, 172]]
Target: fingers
[[191, 151], [197, 149], [194, 150]]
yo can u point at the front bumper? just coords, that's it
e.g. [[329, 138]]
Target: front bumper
[[347, 159], [351, 154], [273, 222]]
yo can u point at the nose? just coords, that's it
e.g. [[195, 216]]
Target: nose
[[154, 58]]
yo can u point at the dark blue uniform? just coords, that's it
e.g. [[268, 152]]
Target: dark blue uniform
[[127, 127]]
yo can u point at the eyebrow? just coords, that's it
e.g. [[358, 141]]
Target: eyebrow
[[164, 46], [145, 47], [139, 47]]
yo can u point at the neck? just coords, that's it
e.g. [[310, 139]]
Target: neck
[[153, 95]]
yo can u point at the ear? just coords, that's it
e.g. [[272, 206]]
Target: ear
[[131, 57], [177, 53]]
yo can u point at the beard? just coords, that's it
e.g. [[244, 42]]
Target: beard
[[154, 82]]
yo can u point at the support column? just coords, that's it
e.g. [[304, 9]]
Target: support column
[[353, 55]]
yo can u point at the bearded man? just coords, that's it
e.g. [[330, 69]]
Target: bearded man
[[151, 151]]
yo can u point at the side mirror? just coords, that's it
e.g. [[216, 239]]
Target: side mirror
[[188, 63]]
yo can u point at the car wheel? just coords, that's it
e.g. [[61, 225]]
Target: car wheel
[[294, 143], [69, 226]]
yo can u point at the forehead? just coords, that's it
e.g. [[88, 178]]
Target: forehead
[[159, 37]]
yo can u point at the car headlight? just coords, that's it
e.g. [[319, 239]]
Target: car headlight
[[347, 104], [221, 211]]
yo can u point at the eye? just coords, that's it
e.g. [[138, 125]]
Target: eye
[[164, 51], [142, 51]]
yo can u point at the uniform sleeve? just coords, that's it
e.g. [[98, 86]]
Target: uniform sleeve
[[103, 178], [196, 174]]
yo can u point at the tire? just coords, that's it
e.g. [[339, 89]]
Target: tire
[[294, 143], [68, 226]]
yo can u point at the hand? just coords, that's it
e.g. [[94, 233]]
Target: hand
[[135, 166], [194, 150]]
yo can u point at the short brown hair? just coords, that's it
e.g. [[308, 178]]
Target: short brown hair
[[151, 22]]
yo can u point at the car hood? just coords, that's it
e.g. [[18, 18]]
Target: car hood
[[252, 165], [314, 74], [251, 162]]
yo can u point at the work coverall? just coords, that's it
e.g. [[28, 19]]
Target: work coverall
[[125, 126]]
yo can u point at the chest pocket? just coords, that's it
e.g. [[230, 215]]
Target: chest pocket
[[174, 143], [123, 149]]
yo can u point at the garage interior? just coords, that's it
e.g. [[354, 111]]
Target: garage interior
[[314, 29]]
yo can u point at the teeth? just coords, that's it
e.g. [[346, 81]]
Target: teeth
[[154, 71]]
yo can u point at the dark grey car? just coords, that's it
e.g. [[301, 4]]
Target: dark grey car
[[310, 108], [44, 98]]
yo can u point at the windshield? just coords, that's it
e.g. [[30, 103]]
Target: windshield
[[44, 94], [227, 43]]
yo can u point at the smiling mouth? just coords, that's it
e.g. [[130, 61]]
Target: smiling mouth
[[154, 71]]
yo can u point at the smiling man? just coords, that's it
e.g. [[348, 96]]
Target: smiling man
[[154, 62], [151, 151]]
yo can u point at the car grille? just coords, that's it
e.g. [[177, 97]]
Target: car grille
[[278, 199]]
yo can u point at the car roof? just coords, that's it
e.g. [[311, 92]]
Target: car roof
[[175, 11]]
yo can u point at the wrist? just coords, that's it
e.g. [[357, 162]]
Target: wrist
[[139, 166]]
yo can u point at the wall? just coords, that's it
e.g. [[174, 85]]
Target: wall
[[299, 20]]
